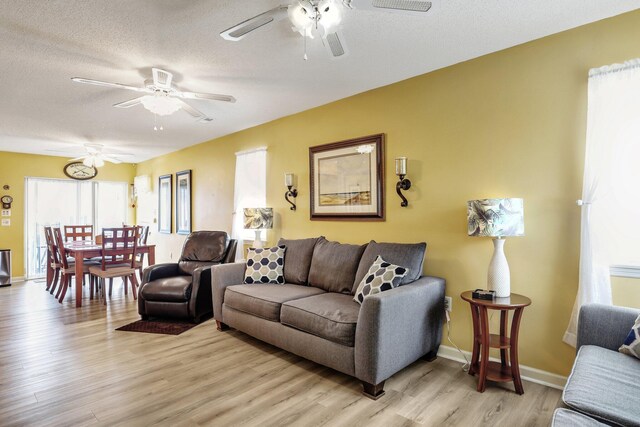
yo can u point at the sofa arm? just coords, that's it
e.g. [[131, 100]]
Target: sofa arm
[[397, 327], [224, 275], [604, 325], [160, 271], [200, 301]]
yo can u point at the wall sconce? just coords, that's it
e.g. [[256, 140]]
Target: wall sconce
[[133, 194], [291, 190], [404, 183]]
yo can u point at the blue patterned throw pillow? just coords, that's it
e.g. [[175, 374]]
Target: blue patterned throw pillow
[[631, 345], [382, 276], [265, 265]]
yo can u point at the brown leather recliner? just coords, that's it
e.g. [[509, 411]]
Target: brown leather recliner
[[183, 289]]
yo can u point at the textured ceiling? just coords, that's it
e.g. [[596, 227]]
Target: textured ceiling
[[45, 43]]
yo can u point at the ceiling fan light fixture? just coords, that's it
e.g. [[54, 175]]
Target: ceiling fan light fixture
[[160, 104], [304, 15], [93, 161]]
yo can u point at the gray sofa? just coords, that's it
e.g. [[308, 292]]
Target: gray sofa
[[314, 316], [604, 384]]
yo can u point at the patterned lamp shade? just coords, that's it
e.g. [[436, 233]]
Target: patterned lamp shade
[[495, 217], [258, 218]]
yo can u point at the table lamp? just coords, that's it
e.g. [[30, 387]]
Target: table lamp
[[497, 218], [258, 219]]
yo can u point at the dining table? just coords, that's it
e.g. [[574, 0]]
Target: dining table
[[87, 249]]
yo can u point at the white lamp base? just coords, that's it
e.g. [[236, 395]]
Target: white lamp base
[[257, 242], [499, 276]]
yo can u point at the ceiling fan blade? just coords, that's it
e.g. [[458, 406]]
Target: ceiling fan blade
[[161, 78], [334, 42], [110, 159], [189, 109], [209, 96], [401, 6], [77, 159], [129, 103], [237, 32], [112, 85]]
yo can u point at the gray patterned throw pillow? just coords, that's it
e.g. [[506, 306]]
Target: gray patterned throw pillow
[[631, 345], [381, 277], [265, 265]]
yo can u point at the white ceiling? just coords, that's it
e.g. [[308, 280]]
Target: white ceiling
[[45, 43]]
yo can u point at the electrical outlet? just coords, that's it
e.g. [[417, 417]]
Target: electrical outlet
[[448, 302]]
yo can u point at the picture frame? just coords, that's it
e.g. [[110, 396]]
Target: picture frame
[[165, 207], [347, 179], [183, 202]]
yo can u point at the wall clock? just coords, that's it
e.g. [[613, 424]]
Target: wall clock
[[80, 171], [6, 202]]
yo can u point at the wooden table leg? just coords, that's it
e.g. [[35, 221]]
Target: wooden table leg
[[79, 276], [152, 255], [473, 367], [515, 368], [484, 347], [504, 321]]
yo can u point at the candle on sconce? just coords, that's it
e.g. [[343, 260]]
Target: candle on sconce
[[288, 179], [401, 166]]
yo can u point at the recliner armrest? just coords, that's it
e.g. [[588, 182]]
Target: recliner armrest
[[397, 327], [160, 271], [604, 325], [222, 276]]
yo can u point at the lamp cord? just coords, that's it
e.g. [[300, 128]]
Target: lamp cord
[[465, 366]]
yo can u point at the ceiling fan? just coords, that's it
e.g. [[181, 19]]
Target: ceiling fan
[[160, 96], [321, 18], [94, 155]]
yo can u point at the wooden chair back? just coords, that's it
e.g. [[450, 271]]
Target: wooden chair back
[[52, 248], [78, 232], [62, 256], [119, 246]]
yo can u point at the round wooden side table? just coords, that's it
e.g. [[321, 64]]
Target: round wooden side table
[[502, 371]]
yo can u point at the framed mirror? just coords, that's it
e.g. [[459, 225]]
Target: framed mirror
[[164, 203], [183, 202]]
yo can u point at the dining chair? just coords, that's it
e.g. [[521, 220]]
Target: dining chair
[[119, 247], [68, 269], [78, 232], [52, 259], [143, 234]]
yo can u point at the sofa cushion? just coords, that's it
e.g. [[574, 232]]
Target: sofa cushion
[[408, 255], [297, 259], [334, 265], [331, 316], [563, 417], [604, 384], [168, 289], [265, 300], [265, 265], [631, 345], [382, 276]]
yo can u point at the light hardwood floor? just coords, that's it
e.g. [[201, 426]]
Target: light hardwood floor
[[65, 366]]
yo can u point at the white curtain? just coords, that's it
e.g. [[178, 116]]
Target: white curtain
[[610, 191], [250, 191]]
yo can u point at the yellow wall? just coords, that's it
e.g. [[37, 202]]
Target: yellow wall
[[509, 124], [14, 167]]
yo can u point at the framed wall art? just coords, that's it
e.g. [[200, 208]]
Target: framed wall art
[[164, 203], [347, 179], [183, 202]]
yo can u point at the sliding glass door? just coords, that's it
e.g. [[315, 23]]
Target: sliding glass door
[[55, 202]]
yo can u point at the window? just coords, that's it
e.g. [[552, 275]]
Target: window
[[54, 202], [250, 191]]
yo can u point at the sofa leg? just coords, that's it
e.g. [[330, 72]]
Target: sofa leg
[[221, 326], [373, 391], [431, 356]]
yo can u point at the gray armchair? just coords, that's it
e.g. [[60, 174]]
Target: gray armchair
[[183, 289]]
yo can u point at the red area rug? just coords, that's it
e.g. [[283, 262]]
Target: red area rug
[[158, 327]]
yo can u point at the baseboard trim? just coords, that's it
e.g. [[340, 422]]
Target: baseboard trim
[[528, 373], [17, 279]]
